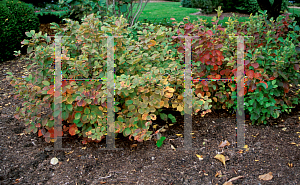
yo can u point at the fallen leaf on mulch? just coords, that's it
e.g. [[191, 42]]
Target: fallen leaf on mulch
[[235, 178], [200, 157], [266, 177], [223, 144], [227, 183], [221, 158], [218, 174]]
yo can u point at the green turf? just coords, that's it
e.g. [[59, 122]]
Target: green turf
[[161, 10]]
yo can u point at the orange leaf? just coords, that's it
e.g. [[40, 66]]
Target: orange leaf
[[73, 130], [51, 91], [40, 133]]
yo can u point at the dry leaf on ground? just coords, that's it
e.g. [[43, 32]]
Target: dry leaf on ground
[[221, 158], [266, 177], [223, 144]]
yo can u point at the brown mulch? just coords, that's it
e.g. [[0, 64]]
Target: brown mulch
[[25, 158]]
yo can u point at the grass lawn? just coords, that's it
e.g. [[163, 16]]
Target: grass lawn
[[166, 10]]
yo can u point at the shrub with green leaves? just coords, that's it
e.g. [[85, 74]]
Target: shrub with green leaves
[[8, 41], [15, 28], [142, 86], [246, 6], [207, 6], [186, 3]]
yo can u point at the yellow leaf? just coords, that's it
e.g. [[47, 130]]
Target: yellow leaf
[[221, 158], [171, 90], [266, 177], [169, 95], [200, 157], [154, 126], [208, 94], [153, 116], [144, 117], [179, 135], [180, 97], [174, 105], [161, 103], [215, 99], [152, 43], [180, 108]]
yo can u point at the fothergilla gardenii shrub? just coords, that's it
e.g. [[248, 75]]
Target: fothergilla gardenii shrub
[[142, 87]]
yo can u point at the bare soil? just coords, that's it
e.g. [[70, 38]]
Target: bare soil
[[25, 158]]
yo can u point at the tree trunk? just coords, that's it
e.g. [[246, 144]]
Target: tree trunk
[[272, 11]]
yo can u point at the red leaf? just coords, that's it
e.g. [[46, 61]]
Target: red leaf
[[260, 45], [215, 67], [219, 53], [272, 78], [180, 49], [205, 88], [38, 125], [255, 65], [219, 62], [73, 129], [246, 62], [286, 87], [51, 91], [40, 133], [257, 75], [63, 83], [209, 32], [218, 77], [204, 82], [296, 67], [250, 74], [222, 72]]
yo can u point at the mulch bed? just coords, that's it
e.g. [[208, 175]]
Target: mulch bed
[[25, 158]]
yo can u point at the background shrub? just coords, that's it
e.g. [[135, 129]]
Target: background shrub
[[8, 41], [246, 6], [207, 6], [26, 20], [186, 3], [40, 3]]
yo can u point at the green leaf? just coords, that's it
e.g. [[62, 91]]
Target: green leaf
[[9, 73], [28, 34], [56, 113], [65, 115], [131, 107], [77, 115], [123, 8], [280, 39], [76, 120], [160, 141], [173, 119], [79, 124], [69, 107], [127, 132], [29, 49], [46, 83], [128, 102], [163, 116], [87, 110]]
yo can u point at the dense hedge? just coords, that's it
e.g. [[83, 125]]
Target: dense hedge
[[24, 19]]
